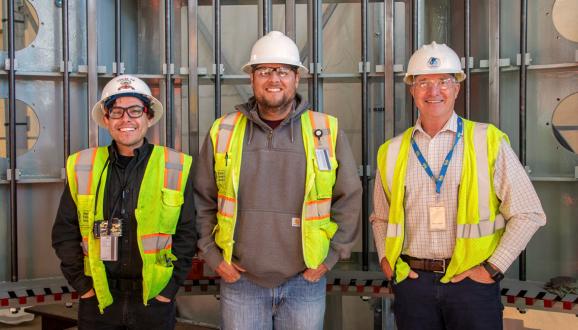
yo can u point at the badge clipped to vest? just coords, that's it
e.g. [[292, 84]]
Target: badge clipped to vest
[[108, 233], [322, 154]]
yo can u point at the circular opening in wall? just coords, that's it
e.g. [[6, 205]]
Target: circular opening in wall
[[27, 128], [25, 25], [565, 122], [564, 18]]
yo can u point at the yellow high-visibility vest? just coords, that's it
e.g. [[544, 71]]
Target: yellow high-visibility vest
[[479, 223], [159, 204], [317, 229]]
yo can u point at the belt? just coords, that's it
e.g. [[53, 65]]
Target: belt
[[122, 284], [428, 265]]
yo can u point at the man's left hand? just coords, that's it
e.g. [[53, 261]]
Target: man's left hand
[[477, 274], [314, 275], [162, 299]]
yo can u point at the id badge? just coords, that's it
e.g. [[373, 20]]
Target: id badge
[[437, 218], [109, 248], [323, 162]]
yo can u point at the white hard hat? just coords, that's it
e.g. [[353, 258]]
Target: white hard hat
[[126, 85], [276, 48], [432, 59]]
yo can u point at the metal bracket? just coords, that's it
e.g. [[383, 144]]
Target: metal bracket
[[221, 69], [519, 59], [367, 67], [62, 66], [171, 68], [63, 173], [501, 62], [121, 67], [83, 68], [528, 169], [7, 64], [470, 62], [183, 70], [18, 173], [360, 170], [202, 71], [312, 67]]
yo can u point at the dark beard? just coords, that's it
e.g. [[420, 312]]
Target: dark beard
[[277, 107]]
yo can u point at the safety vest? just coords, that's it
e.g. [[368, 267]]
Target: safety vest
[[479, 223], [319, 132], [158, 208]]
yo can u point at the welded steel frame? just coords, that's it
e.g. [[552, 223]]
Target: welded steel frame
[[193, 79], [12, 146], [494, 62], [168, 72]]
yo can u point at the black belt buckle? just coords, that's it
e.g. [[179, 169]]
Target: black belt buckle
[[443, 263]]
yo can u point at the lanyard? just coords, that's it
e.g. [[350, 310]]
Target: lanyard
[[440, 179]]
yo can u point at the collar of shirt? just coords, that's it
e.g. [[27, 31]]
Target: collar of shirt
[[451, 125], [139, 153]]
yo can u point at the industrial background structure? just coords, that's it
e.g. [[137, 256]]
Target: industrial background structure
[[521, 58]]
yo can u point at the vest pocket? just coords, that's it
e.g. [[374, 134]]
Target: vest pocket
[[224, 233], [318, 235], [85, 209], [172, 200]]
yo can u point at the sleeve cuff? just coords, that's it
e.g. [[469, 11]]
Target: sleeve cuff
[[332, 259], [170, 291], [212, 257]]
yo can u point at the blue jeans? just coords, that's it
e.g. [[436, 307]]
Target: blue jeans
[[295, 305], [426, 303]]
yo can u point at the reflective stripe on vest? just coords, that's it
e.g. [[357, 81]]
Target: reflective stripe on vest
[[155, 222], [227, 135], [476, 222], [154, 243]]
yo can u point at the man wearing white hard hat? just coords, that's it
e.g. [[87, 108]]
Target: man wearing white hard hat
[[453, 206], [278, 198], [125, 229]]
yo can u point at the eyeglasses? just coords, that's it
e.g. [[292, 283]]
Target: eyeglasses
[[134, 111], [443, 84], [266, 72]]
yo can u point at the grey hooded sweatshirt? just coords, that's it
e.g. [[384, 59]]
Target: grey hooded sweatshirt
[[271, 194]]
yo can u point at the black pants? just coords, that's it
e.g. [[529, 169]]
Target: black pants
[[426, 303], [126, 312]]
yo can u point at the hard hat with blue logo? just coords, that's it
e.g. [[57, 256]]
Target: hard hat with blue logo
[[433, 59]]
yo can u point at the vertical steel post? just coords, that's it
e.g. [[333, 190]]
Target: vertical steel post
[[193, 84], [91, 58], [414, 45], [217, 49], [314, 48], [364, 139], [388, 61], [170, 141], [12, 144], [117, 38], [494, 56], [523, 93], [467, 50], [267, 15], [290, 19], [65, 80]]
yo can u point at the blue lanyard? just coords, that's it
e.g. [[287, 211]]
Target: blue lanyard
[[440, 179]]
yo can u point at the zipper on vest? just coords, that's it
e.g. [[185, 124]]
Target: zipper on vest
[[270, 139], [226, 158]]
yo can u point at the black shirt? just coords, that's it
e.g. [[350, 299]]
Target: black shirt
[[124, 177]]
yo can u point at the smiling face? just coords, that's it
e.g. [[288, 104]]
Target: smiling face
[[273, 92], [434, 96], [127, 132]]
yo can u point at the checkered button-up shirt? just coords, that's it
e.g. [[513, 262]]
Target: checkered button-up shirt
[[520, 205]]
